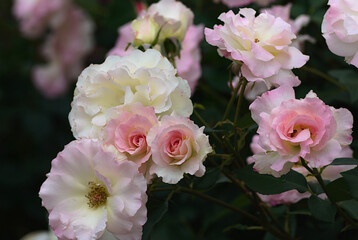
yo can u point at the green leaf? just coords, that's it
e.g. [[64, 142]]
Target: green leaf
[[208, 180], [351, 176], [351, 206], [156, 210], [268, 185], [321, 209], [349, 79], [345, 161], [338, 190], [315, 187]]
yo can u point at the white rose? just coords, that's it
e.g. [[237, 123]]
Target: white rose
[[145, 77]]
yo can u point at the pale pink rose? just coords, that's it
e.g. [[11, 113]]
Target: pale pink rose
[[36, 15], [240, 3], [127, 131], [339, 28], [144, 77], [178, 147], [291, 128], [91, 195], [188, 65], [261, 44]]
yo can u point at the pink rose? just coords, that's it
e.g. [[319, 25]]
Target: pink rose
[[178, 146], [290, 129], [127, 130], [288, 197], [89, 194], [188, 65], [339, 28], [261, 44]]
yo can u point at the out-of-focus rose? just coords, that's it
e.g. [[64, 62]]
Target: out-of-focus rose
[[36, 15], [65, 49], [144, 77], [188, 65], [288, 197], [89, 194], [339, 28], [261, 44], [291, 128], [50, 79], [173, 17], [178, 147], [240, 3], [145, 30], [126, 37], [127, 131]]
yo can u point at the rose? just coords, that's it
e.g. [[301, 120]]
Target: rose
[[173, 17], [290, 129], [188, 65], [144, 77], [339, 28], [127, 131], [89, 194], [261, 44], [178, 146]]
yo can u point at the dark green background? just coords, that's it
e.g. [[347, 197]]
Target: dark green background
[[33, 129]]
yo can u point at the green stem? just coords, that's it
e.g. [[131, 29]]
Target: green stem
[[203, 122], [324, 76], [231, 102], [237, 113]]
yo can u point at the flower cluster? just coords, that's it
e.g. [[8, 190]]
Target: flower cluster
[[130, 116], [65, 48]]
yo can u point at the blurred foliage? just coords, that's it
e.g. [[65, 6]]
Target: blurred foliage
[[33, 129]]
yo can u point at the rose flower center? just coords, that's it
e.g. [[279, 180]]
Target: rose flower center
[[97, 196]]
